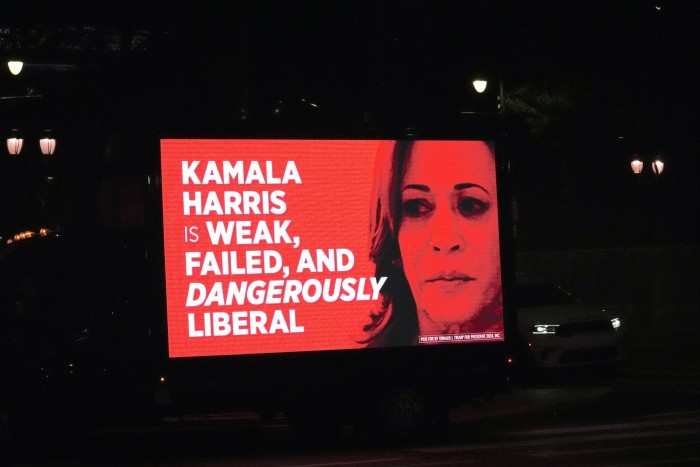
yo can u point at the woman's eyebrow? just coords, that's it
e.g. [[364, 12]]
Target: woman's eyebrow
[[414, 186], [464, 186]]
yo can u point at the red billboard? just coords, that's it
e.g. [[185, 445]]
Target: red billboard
[[305, 245]]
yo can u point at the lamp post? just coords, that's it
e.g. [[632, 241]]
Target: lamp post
[[650, 192], [31, 183], [480, 85]]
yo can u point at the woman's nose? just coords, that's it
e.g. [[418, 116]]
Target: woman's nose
[[446, 236]]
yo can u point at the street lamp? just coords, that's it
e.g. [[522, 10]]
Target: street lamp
[[650, 191], [637, 166], [657, 165], [15, 142], [479, 85], [47, 144], [15, 66]]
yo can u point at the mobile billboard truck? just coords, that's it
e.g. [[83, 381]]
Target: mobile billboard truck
[[334, 280]]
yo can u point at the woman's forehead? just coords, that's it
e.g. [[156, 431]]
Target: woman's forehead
[[450, 162]]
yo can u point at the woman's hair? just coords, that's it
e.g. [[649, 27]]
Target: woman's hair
[[395, 322]]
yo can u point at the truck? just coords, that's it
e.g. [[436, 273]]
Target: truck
[[285, 275]]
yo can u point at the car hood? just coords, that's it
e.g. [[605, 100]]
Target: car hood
[[559, 314]]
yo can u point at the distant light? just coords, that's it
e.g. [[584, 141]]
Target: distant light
[[657, 166], [15, 67], [637, 166], [658, 7], [24, 235], [545, 328], [480, 85]]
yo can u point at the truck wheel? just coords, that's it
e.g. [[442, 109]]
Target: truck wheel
[[315, 421], [4, 428], [403, 413]]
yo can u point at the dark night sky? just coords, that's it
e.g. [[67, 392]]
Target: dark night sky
[[633, 70], [346, 52]]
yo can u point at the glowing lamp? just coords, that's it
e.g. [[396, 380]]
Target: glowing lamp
[[657, 166], [47, 145], [14, 145], [479, 85], [637, 166], [15, 66]]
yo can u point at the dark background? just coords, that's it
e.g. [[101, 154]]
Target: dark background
[[586, 85]]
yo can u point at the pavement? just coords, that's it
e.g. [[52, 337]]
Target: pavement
[[662, 358], [651, 356], [521, 401]]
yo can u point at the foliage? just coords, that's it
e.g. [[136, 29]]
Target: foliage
[[542, 111]]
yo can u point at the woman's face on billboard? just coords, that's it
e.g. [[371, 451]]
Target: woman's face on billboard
[[448, 235]]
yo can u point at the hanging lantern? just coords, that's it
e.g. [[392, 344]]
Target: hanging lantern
[[637, 166], [47, 145], [14, 143], [657, 166]]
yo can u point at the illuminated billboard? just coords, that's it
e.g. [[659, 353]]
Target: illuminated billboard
[[306, 245]]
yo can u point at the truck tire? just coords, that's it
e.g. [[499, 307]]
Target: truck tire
[[315, 420], [5, 428], [403, 413]]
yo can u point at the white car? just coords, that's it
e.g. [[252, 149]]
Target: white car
[[559, 331]]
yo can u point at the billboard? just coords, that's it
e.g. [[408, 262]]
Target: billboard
[[305, 245]]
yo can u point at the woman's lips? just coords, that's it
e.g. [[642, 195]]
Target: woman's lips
[[451, 276]]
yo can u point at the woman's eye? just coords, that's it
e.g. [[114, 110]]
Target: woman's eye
[[416, 207], [472, 206]]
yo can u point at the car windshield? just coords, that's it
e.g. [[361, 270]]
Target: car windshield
[[542, 294]]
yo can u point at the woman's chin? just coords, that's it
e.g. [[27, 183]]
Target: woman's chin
[[451, 318]]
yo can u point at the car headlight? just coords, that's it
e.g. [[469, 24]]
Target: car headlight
[[616, 323], [545, 328]]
